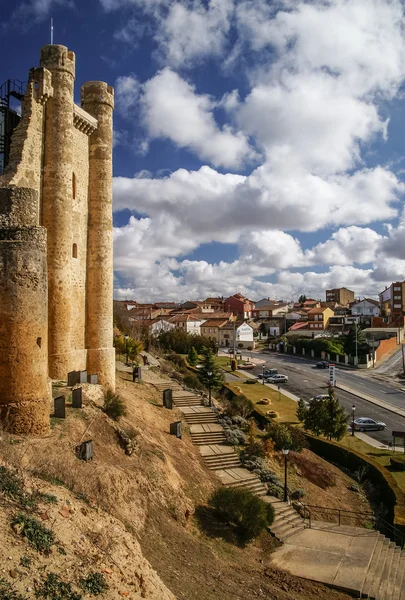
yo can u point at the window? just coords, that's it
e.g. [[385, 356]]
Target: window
[[74, 251], [397, 289], [73, 186]]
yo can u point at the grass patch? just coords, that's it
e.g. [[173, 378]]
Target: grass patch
[[39, 537], [94, 584], [285, 407], [114, 405], [8, 592], [12, 486], [53, 588]]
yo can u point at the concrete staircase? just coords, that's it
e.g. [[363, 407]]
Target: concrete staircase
[[217, 457], [207, 433], [184, 399], [199, 414], [287, 521], [385, 578], [238, 477]]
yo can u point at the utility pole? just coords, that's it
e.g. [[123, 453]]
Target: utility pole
[[234, 340], [357, 358]]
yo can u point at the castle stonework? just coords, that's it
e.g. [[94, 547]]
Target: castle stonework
[[56, 251]]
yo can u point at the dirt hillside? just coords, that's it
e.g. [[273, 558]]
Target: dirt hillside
[[129, 518]]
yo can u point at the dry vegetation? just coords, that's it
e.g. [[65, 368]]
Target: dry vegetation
[[116, 511]]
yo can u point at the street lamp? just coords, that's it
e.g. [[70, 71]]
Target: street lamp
[[285, 451], [353, 409], [126, 347], [209, 373], [263, 374]]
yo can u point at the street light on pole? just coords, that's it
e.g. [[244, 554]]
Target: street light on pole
[[209, 373], [126, 347], [353, 409], [285, 451]]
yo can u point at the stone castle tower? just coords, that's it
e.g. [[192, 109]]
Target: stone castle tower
[[56, 271]]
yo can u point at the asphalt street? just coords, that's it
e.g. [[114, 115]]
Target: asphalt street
[[306, 381]]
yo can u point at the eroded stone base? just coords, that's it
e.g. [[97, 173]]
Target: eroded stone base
[[102, 361], [25, 418]]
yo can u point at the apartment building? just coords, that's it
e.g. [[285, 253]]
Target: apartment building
[[342, 296]]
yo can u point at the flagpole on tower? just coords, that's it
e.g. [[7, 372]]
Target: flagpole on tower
[[51, 31]]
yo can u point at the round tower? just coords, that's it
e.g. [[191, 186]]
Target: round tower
[[56, 209], [25, 392], [98, 101]]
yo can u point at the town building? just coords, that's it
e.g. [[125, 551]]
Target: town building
[[56, 248], [239, 305], [392, 301], [341, 296], [318, 319], [365, 308], [188, 322]]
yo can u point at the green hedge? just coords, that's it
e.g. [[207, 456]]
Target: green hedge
[[397, 463], [394, 497]]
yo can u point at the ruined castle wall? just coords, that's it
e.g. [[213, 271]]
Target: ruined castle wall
[[98, 101], [26, 153], [80, 185]]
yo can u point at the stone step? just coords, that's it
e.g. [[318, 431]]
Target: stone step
[[389, 592], [285, 515], [293, 531], [207, 440], [285, 509], [400, 592], [223, 465], [378, 571], [373, 566], [386, 572], [213, 460], [283, 529], [254, 486], [202, 416], [190, 402]]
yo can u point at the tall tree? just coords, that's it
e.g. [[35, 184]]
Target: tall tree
[[314, 418], [216, 378], [334, 418], [301, 410], [349, 343], [192, 357], [302, 299]]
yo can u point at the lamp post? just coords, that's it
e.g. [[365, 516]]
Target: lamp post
[[263, 374], [209, 373], [285, 452], [126, 347], [357, 358], [353, 409]]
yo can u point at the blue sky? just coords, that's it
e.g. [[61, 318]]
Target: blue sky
[[258, 144]]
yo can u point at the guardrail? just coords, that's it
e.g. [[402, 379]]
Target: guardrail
[[341, 515]]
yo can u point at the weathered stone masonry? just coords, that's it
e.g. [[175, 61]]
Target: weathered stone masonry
[[55, 242]]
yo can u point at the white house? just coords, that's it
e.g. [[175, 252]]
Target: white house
[[189, 323], [244, 335], [366, 308], [156, 326]]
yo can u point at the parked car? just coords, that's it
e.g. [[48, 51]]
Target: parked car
[[247, 365], [277, 379], [237, 351], [267, 373], [322, 364], [367, 424]]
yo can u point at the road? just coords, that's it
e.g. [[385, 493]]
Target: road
[[306, 381]]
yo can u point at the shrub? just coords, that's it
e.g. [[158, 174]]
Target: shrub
[[250, 348], [397, 463], [240, 421], [94, 584], [235, 437], [53, 588], [178, 360], [192, 381], [240, 345], [275, 490], [360, 473], [313, 471], [234, 365], [38, 536], [286, 436], [297, 494], [114, 405], [272, 414], [354, 487], [242, 510], [239, 405], [250, 381]]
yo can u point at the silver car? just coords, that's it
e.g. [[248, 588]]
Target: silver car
[[277, 379], [367, 424]]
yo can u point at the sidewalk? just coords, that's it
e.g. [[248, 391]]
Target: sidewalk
[[372, 399]]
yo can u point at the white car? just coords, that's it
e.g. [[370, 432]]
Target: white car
[[277, 379]]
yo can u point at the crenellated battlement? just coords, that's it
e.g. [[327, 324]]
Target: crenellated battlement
[[58, 58], [97, 92]]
